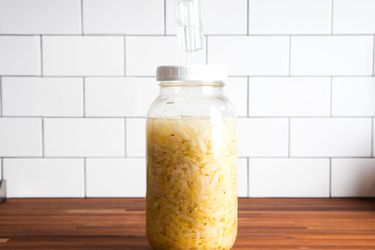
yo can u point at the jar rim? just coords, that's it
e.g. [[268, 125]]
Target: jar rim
[[192, 73], [191, 83]]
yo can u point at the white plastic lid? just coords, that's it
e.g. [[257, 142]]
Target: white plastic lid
[[192, 73]]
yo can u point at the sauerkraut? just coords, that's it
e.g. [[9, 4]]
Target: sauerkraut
[[191, 183]]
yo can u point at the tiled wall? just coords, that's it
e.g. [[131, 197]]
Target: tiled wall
[[77, 78]]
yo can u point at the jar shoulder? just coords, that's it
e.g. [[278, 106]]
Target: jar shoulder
[[207, 106]]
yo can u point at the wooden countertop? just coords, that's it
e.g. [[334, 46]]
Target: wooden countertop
[[119, 224]]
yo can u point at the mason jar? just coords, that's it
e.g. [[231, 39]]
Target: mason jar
[[191, 161]]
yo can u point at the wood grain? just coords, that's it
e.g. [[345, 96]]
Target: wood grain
[[264, 224]]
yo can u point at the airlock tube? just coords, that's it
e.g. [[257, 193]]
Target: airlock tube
[[189, 28]]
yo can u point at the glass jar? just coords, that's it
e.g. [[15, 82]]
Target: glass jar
[[191, 161]]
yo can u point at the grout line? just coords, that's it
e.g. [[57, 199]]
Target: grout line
[[309, 157], [305, 117], [124, 55], [206, 49], [2, 168], [1, 96], [82, 17], [248, 97], [74, 117], [242, 157], [331, 98], [73, 157], [165, 17], [248, 18], [46, 76], [174, 35], [143, 117], [289, 136], [84, 96], [43, 140], [331, 17], [153, 76], [125, 146], [290, 57], [143, 157], [84, 177], [41, 56], [328, 34], [372, 137], [330, 177], [248, 176], [373, 55]]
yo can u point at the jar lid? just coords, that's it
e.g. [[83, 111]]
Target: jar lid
[[202, 72]]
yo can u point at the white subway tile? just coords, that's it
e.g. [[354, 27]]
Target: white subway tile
[[353, 177], [218, 16], [331, 55], [20, 55], [84, 137], [135, 137], [83, 55], [289, 96], [353, 17], [40, 17], [116, 177], [289, 177], [257, 55], [242, 182], [44, 177], [263, 137], [144, 54], [1, 169], [20, 137], [290, 16], [35, 96], [353, 96], [119, 96], [330, 137], [123, 16], [236, 90]]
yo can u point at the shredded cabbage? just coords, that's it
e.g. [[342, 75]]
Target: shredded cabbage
[[191, 183]]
